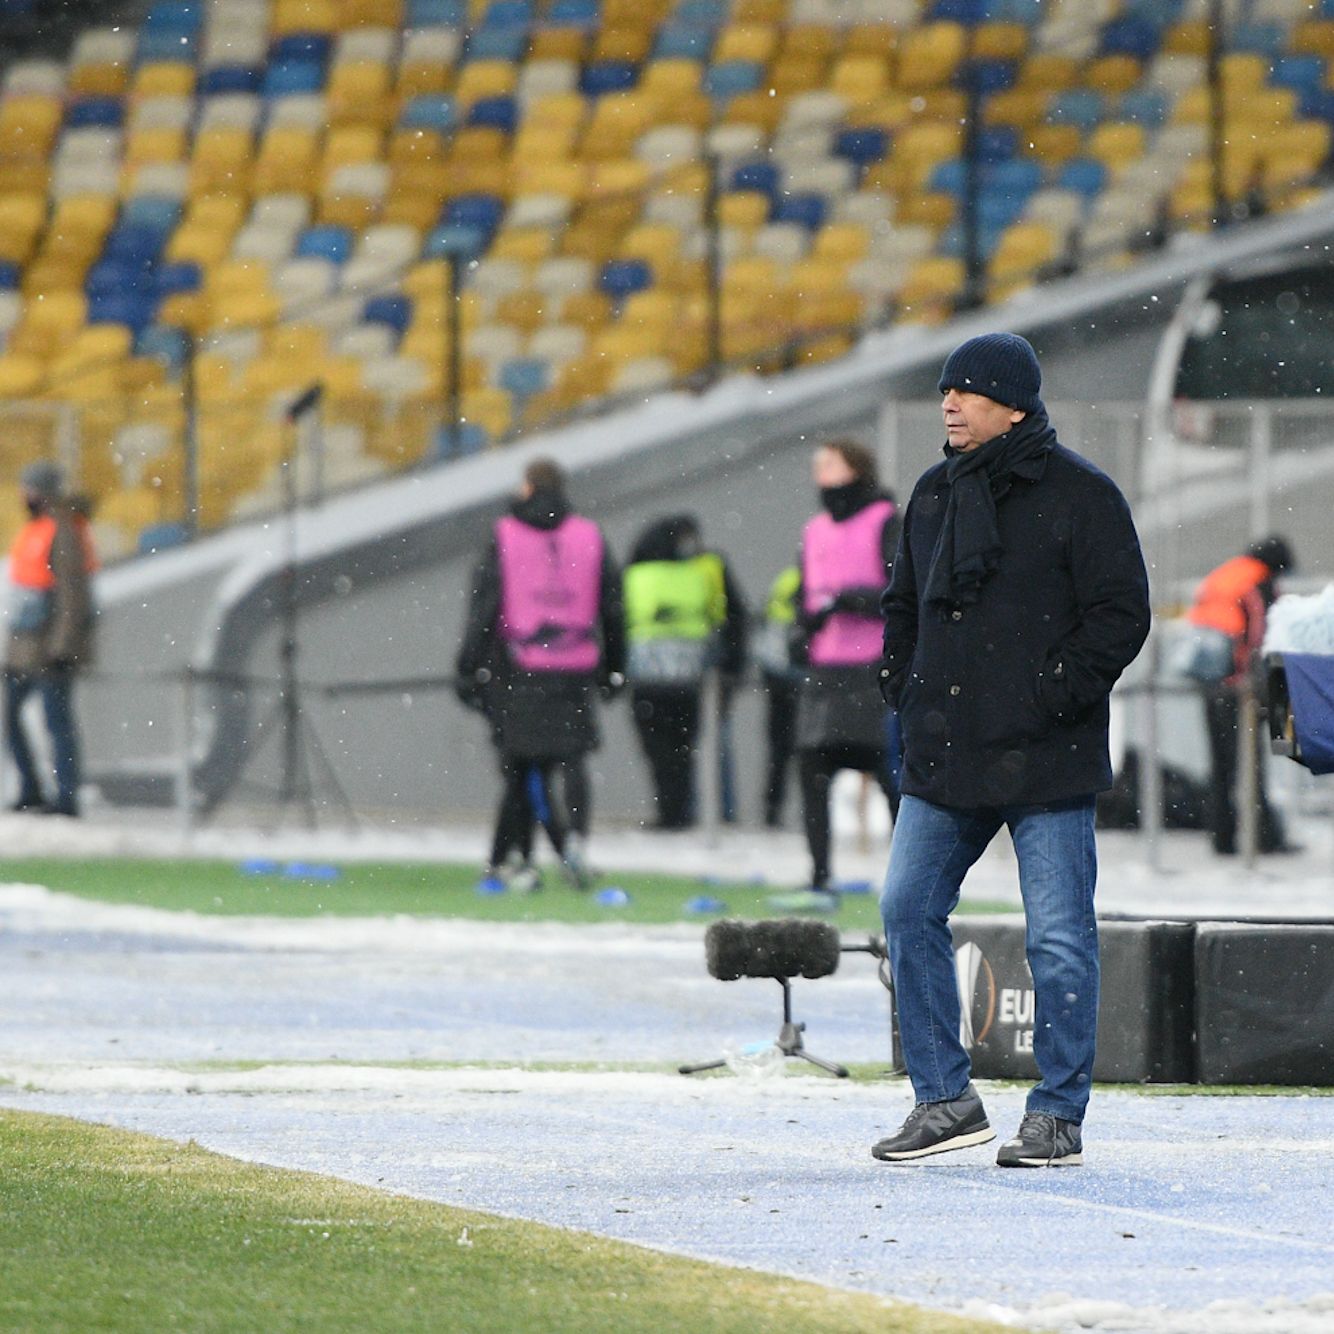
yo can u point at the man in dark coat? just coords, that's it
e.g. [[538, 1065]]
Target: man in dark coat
[[545, 636], [1018, 597]]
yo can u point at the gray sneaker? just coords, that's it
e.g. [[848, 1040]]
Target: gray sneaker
[[938, 1127], [1043, 1141]]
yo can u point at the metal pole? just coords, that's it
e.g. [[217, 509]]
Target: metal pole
[[1248, 774], [184, 774], [190, 471], [1262, 446], [453, 353], [709, 768], [713, 239], [1150, 765], [972, 183], [1217, 130]]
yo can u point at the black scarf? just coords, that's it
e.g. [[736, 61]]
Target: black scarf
[[543, 509], [842, 502], [968, 547]]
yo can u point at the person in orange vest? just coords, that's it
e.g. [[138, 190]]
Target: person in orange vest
[[1235, 598], [50, 635]]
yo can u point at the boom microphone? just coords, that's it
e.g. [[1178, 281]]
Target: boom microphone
[[782, 947]]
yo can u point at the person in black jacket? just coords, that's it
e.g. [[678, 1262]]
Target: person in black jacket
[[1019, 596], [545, 635]]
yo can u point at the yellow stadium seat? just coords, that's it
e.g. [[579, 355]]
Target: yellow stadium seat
[[245, 310], [536, 142], [1054, 143], [929, 291], [222, 212], [1023, 249], [627, 12], [796, 74], [999, 41], [755, 42], [664, 79], [930, 54], [415, 209], [84, 215], [488, 408], [559, 44], [1113, 74], [861, 77], [186, 310], [155, 145], [288, 159], [198, 245], [1049, 71], [21, 219], [28, 124], [1314, 37], [618, 42], [756, 108], [841, 242], [743, 209], [1116, 143], [525, 311], [568, 179], [530, 245], [221, 161], [166, 78], [369, 13], [1187, 38], [415, 146], [291, 16], [102, 78], [619, 176], [814, 41], [484, 78], [479, 143], [417, 77], [588, 310], [50, 321], [871, 39], [351, 143], [1021, 107], [759, 11], [618, 120], [20, 376], [358, 93]]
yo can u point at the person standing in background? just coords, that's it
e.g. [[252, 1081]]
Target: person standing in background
[[545, 635], [782, 687], [847, 554], [1235, 599], [51, 617], [684, 615]]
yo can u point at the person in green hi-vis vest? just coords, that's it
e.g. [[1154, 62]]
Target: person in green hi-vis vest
[[772, 652], [683, 615]]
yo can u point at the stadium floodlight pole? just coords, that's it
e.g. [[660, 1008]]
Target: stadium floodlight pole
[[713, 239], [452, 326], [1217, 127], [190, 470], [972, 180]]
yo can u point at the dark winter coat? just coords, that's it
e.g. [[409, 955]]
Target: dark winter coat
[[1005, 701], [536, 715]]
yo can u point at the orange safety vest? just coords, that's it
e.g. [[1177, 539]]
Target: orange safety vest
[[30, 556], [1221, 600]]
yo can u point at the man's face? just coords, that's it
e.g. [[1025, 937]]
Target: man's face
[[973, 419]]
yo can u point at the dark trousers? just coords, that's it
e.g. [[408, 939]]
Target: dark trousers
[[552, 793], [817, 768], [55, 686], [781, 731], [1222, 712], [667, 719]]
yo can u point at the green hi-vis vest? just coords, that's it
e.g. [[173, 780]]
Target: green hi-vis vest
[[674, 599], [782, 606]]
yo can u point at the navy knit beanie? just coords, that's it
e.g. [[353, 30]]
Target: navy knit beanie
[[1002, 366]]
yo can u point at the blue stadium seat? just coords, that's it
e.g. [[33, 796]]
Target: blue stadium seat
[[429, 111], [608, 76], [703, 13], [160, 536], [115, 275], [958, 11], [862, 146], [11, 275], [480, 212], [166, 344], [572, 14], [508, 14], [683, 41], [1144, 106], [157, 212], [180, 276], [1076, 106], [762, 176], [392, 309], [472, 439], [302, 46], [497, 44], [621, 278], [325, 241], [95, 113], [952, 241], [133, 243], [726, 80], [1085, 176], [1134, 36], [1264, 39], [131, 308], [997, 143], [1300, 73], [182, 16], [500, 113], [285, 78], [437, 13], [986, 76], [807, 210], [231, 79], [1318, 105], [451, 238], [164, 44], [525, 376]]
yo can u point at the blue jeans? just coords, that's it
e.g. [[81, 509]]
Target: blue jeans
[[56, 688], [934, 846]]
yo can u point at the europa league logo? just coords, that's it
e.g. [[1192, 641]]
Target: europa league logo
[[977, 995]]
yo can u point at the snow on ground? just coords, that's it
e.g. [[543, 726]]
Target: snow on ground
[[139, 1018]]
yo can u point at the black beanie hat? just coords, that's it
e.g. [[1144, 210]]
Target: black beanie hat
[[1001, 366]]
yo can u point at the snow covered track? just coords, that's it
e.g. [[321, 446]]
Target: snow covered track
[[144, 1019]]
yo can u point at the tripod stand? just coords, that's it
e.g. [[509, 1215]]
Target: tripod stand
[[788, 1041], [305, 765]]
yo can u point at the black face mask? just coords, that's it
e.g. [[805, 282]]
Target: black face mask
[[841, 502]]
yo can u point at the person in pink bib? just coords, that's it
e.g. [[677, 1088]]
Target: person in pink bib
[[545, 635], [847, 553]]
